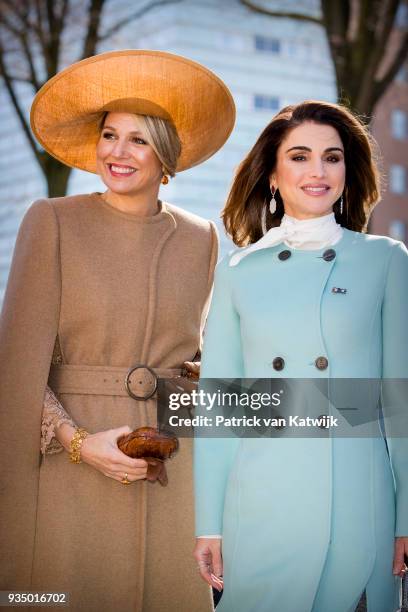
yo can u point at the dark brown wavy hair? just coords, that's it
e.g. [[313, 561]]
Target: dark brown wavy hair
[[250, 192]]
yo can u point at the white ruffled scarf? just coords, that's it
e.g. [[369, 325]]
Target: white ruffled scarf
[[307, 234]]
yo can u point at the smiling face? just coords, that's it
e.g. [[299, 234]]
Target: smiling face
[[310, 170], [126, 163]]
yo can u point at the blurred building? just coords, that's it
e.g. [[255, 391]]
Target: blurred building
[[390, 128], [266, 62]]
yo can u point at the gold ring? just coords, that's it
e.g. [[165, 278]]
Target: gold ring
[[125, 480]]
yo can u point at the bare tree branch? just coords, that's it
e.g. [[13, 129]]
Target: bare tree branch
[[135, 15], [49, 6], [92, 36], [336, 18], [288, 14], [24, 124], [29, 57], [39, 28], [402, 53], [9, 26], [17, 13], [55, 27], [374, 51], [53, 39], [21, 35], [23, 16], [358, 55], [17, 78], [60, 19]]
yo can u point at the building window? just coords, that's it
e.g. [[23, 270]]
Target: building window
[[268, 45], [262, 102], [399, 124], [398, 179], [402, 74], [401, 18], [397, 230]]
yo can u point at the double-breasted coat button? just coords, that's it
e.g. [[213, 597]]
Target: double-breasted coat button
[[278, 363], [321, 363], [283, 255], [329, 255]]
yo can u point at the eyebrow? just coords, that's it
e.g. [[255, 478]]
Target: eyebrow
[[310, 150], [109, 127]]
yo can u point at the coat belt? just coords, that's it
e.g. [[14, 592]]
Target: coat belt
[[139, 382]]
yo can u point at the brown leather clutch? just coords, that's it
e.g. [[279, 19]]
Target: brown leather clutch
[[148, 442]]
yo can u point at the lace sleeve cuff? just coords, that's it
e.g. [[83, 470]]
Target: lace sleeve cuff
[[53, 415]]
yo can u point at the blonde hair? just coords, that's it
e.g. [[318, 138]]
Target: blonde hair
[[162, 136]]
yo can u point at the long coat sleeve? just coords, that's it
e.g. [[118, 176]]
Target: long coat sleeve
[[395, 371], [29, 321], [223, 358]]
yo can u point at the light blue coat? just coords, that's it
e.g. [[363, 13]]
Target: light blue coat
[[307, 524]]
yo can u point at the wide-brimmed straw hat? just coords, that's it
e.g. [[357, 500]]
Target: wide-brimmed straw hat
[[66, 112]]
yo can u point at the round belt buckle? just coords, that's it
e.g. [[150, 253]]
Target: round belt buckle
[[127, 382]]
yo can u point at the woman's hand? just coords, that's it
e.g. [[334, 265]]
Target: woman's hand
[[208, 555], [400, 550], [193, 369], [100, 450]]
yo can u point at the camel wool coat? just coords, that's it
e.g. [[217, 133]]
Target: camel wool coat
[[115, 289]]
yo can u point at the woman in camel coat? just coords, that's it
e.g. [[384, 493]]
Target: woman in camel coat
[[97, 287]]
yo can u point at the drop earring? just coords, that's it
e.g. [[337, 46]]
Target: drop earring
[[341, 204], [272, 203], [165, 178]]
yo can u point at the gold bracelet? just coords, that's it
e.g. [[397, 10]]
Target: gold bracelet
[[76, 443]]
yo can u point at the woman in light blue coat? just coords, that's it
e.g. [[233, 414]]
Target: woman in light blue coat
[[306, 524]]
